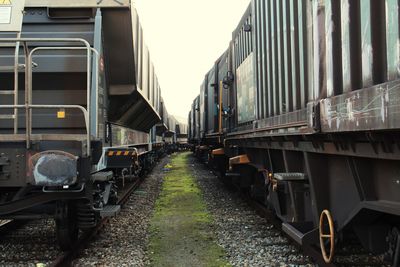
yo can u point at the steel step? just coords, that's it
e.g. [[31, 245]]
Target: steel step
[[232, 174], [302, 232], [11, 68], [6, 92], [110, 211], [7, 117], [290, 176], [102, 176]]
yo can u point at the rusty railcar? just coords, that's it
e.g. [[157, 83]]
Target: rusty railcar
[[313, 126]]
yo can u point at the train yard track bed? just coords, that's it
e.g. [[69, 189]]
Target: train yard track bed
[[181, 229], [180, 215], [123, 241], [247, 238]]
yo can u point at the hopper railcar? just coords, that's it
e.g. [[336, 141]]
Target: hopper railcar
[[307, 119], [182, 136], [79, 107]]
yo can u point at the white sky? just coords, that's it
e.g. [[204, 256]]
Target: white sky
[[185, 37]]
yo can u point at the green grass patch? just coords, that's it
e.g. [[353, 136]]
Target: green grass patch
[[181, 228]]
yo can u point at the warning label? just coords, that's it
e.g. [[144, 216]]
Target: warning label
[[5, 14], [5, 2]]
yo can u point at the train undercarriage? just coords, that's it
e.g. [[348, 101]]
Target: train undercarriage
[[325, 189], [41, 190]]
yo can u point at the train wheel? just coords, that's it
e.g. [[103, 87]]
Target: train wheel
[[325, 239], [66, 226]]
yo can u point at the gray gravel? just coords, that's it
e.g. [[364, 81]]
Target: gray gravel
[[33, 244], [248, 239], [124, 240]]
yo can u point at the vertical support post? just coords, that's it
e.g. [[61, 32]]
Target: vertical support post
[[16, 75], [28, 64], [220, 107]]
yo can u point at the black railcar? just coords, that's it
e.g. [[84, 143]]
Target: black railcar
[[312, 129], [79, 104]]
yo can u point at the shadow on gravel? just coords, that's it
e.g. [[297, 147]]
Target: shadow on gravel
[[181, 229]]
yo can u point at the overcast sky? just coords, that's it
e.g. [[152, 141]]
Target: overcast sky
[[185, 37]]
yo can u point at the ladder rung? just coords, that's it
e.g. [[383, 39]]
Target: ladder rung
[[11, 68], [7, 92], [7, 117]]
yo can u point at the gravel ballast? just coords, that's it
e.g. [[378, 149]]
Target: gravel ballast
[[123, 242], [247, 238]]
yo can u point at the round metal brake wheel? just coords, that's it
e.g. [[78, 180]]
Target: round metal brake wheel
[[326, 217]]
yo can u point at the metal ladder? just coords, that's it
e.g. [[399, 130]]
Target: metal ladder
[[9, 93]]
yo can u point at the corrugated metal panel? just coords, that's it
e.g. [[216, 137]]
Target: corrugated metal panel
[[274, 74], [333, 53], [159, 99], [279, 30], [306, 51], [155, 91], [392, 39], [281, 35], [287, 57], [190, 133], [140, 58], [243, 48], [150, 94], [366, 43], [145, 72], [197, 118], [211, 110], [346, 54], [269, 65], [202, 108], [369, 60], [135, 27], [222, 73], [304, 54]]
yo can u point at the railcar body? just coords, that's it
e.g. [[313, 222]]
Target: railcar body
[[79, 106], [312, 129], [182, 131]]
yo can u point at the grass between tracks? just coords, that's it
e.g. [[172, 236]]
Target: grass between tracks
[[181, 228]]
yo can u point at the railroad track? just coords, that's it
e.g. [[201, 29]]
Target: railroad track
[[32, 242], [66, 258]]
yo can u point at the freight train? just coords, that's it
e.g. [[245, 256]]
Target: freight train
[[302, 112], [80, 106]]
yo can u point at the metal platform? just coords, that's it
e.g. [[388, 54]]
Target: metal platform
[[110, 211]]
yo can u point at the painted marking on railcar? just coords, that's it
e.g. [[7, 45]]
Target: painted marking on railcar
[[5, 2], [61, 115], [5, 11], [121, 153]]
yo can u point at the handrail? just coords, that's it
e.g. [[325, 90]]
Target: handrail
[[28, 81], [88, 90], [84, 111], [16, 75]]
